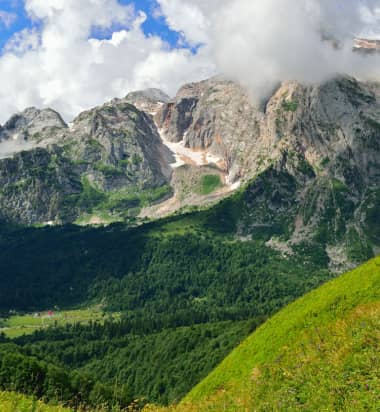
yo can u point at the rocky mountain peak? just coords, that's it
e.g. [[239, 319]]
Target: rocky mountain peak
[[104, 164], [151, 94], [366, 45], [148, 100], [310, 160], [32, 123]]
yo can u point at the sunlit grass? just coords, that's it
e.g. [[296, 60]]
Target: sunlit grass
[[209, 183], [319, 353], [13, 402]]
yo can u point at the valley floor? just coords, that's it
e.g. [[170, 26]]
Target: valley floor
[[26, 324]]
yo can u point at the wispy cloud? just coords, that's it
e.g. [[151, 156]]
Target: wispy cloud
[[7, 18], [260, 43]]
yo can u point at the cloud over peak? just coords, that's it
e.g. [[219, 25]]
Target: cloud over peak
[[63, 63], [260, 43]]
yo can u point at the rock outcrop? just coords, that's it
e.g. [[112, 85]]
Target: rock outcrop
[[311, 153], [32, 124], [105, 161], [149, 100], [368, 46]]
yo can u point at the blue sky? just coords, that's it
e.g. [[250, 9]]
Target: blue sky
[[21, 20], [153, 25]]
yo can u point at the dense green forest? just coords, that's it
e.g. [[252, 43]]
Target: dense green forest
[[45, 380], [187, 288], [187, 258], [159, 366]]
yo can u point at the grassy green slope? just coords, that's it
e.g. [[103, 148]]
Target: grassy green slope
[[12, 402], [319, 353]]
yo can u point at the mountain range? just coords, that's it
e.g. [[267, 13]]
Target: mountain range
[[307, 158], [198, 241]]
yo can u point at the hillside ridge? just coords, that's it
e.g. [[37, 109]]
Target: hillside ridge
[[297, 358], [326, 304]]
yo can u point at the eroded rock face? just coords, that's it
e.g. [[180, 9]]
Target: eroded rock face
[[314, 152], [216, 115]]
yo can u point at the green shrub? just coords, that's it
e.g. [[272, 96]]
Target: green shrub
[[290, 106], [209, 183]]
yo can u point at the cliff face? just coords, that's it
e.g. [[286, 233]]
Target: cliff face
[[53, 173], [309, 157], [218, 115], [215, 115], [313, 152]]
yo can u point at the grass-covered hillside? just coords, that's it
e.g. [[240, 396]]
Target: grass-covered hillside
[[319, 353], [14, 402]]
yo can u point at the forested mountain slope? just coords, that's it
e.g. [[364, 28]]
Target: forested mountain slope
[[319, 353], [299, 177], [188, 290]]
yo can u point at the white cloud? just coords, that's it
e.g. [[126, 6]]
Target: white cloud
[[189, 17], [262, 42], [23, 41], [60, 66], [7, 19], [257, 42]]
